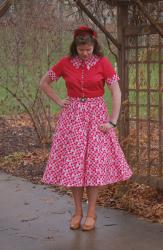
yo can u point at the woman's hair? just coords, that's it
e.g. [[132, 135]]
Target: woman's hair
[[81, 40]]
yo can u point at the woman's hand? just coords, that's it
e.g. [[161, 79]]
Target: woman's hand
[[64, 103], [105, 127]]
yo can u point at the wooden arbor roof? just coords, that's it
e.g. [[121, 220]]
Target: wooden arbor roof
[[119, 3], [5, 4]]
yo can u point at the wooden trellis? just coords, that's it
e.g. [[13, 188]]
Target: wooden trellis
[[141, 64], [140, 60]]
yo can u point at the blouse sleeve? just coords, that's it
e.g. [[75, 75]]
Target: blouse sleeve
[[110, 74], [56, 71]]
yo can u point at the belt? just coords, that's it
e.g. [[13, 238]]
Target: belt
[[83, 99]]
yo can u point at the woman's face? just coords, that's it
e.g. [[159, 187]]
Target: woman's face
[[85, 50]]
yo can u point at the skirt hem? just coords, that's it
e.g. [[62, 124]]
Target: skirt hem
[[95, 185]]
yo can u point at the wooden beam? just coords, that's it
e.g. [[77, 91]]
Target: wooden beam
[[4, 6], [111, 2], [117, 2], [131, 30], [153, 181], [150, 19], [99, 25], [122, 22]]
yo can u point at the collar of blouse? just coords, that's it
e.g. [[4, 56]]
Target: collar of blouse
[[89, 63]]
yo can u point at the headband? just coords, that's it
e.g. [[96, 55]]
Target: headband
[[84, 30]]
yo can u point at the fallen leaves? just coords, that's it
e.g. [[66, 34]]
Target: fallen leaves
[[22, 156], [145, 201], [29, 165]]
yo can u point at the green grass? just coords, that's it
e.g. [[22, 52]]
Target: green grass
[[10, 105], [33, 63], [143, 83], [27, 76]]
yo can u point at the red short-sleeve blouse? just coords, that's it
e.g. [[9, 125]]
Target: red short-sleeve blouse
[[84, 78]]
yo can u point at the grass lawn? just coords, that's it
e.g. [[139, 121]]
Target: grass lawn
[[24, 78]]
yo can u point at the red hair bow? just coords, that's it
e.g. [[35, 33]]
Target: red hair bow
[[84, 30]]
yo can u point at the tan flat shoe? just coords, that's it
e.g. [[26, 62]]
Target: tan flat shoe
[[89, 223], [75, 221]]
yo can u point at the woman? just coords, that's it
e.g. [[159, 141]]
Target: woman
[[85, 151]]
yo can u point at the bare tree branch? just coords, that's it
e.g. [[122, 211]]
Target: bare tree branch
[[25, 107], [101, 27], [150, 19], [116, 57], [5, 6]]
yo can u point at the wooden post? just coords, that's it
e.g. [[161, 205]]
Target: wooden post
[[122, 22]]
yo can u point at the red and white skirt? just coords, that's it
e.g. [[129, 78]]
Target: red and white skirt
[[81, 154]]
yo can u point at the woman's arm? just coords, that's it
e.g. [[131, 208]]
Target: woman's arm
[[116, 102], [116, 105], [45, 85], [48, 90]]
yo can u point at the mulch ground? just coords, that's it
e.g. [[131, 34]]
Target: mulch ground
[[22, 155]]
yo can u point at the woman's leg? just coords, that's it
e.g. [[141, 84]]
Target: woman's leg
[[92, 193], [77, 195], [91, 213], [78, 214]]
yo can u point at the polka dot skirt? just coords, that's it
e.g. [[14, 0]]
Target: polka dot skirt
[[81, 154]]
